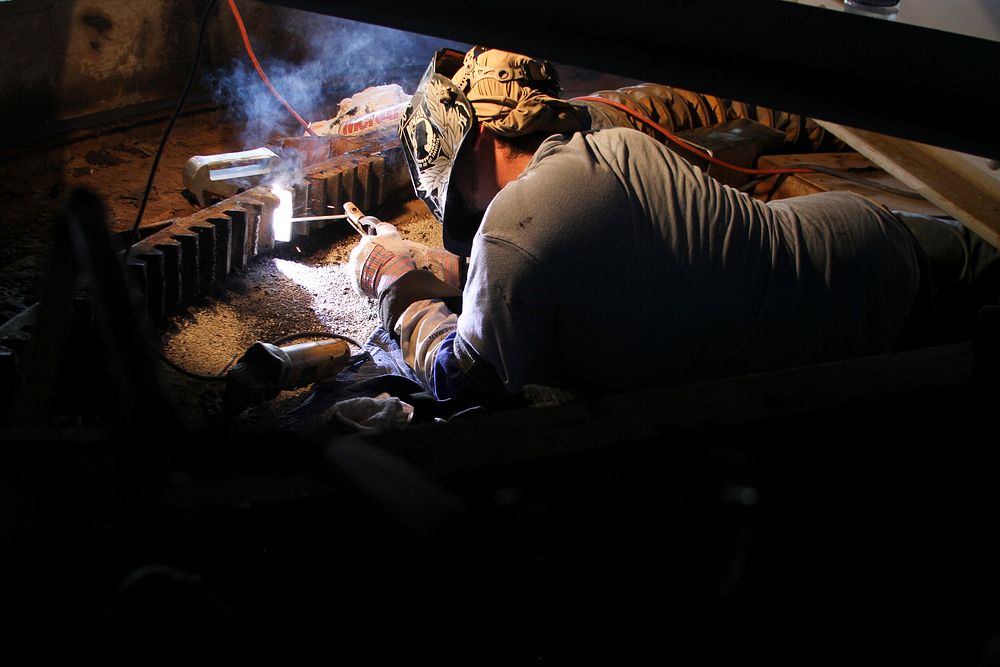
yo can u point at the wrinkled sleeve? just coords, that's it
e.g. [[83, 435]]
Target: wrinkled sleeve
[[442, 359], [422, 329]]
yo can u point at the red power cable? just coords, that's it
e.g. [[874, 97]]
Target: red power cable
[[263, 77], [687, 146]]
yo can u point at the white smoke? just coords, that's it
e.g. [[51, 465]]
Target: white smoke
[[314, 61]]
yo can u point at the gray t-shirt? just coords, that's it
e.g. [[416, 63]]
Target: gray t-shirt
[[611, 263]]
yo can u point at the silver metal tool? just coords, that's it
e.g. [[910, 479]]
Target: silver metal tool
[[354, 216], [215, 177]]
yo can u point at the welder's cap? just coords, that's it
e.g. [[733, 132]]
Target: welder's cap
[[514, 95], [510, 94]]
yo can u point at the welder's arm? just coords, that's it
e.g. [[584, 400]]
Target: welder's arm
[[482, 345], [418, 306], [379, 260], [422, 313], [443, 264]]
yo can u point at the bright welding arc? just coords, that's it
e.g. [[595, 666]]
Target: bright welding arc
[[281, 224], [312, 218]]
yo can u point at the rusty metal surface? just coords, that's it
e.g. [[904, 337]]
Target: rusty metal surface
[[192, 256], [196, 252]]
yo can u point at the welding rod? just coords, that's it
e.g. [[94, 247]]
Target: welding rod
[[353, 216], [342, 216], [310, 218]]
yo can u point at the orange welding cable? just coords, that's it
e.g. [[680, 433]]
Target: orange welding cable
[[687, 146], [260, 71]]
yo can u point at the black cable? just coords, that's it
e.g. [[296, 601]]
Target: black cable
[[229, 364], [774, 188], [133, 233], [170, 126], [750, 185]]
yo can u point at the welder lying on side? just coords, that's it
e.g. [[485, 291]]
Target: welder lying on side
[[604, 262]]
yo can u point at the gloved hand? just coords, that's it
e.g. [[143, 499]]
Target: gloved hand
[[379, 260], [438, 261]]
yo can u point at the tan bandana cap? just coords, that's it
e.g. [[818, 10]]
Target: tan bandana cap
[[514, 95]]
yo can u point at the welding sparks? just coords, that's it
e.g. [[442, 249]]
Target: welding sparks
[[282, 223]]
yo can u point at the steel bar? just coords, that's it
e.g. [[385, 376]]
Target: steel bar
[[311, 218]]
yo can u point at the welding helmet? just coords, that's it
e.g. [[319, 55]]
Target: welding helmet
[[511, 94], [432, 130]]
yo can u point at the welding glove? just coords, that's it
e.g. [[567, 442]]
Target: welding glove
[[438, 261], [379, 260]]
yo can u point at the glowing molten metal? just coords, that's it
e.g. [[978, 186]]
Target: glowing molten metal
[[281, 226]]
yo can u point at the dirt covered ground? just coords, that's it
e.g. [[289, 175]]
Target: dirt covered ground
[[294, 292], [115, 163], [300, 289]]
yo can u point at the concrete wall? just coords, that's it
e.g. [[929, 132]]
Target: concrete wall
[[71, 58], [67, 61]]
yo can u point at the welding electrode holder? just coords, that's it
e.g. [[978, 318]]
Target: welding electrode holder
[[362, 223], [265, 369]]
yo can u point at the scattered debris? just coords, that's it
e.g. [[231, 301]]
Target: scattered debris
[[135, 148], [102, 157]]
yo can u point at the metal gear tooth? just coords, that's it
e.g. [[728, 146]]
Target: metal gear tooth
[[317, 195], [334, 199], [154, 284], [238, 237], [348, 182], [206, 255], [223, 245], [253, 229], [171, 251], [189, 264]]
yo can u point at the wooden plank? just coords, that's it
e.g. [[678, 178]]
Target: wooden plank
[[949, 179], [853, 163]]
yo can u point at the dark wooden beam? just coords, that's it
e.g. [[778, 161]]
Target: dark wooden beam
[[898, 79]]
